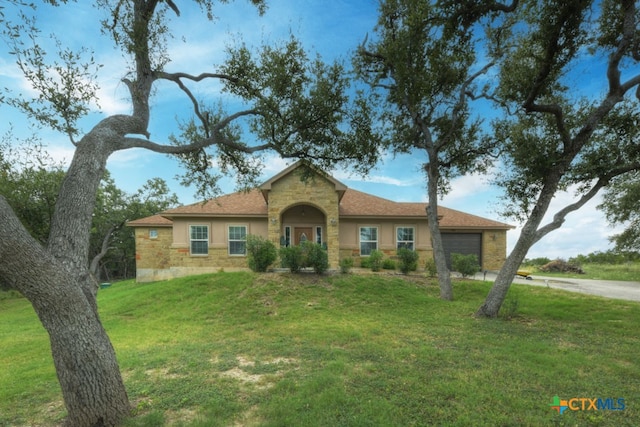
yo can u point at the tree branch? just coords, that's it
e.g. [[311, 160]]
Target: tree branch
[[177, 79], [95, 262], [559, 217]]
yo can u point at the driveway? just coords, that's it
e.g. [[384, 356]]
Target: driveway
[[605, 288]]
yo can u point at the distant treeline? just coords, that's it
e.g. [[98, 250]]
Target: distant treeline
[[608, 257]]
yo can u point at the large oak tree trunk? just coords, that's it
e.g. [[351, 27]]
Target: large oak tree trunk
[[57, 282], [84, 358]]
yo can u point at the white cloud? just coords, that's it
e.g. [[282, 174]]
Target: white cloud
[[466, 186], [584, 231]]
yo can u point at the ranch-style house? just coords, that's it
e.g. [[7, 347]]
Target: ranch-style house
[[297, 205]]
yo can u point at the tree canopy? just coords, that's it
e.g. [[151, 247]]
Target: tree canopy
[[286, 101], [620, 204], [556, 136], [422, 67]]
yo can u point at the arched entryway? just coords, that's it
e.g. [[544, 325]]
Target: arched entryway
[[303, 222]]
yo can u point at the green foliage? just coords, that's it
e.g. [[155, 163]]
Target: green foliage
[[307, 254], [365, 262], [388, 264], [467, 265], [375, 260], [346, 264], [607, 257], [408, 260], [419, 79], [31, 180], [430, 267], [298, 106], [261, 253], [620, 204], [509, 309], [316, 257], [292, 257]]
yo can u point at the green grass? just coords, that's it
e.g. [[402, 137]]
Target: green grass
[[278, 350], [624, 272]]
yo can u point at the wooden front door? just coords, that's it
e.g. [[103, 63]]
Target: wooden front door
[[302, 234]]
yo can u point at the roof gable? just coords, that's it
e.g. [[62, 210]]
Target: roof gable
[[266, 186]]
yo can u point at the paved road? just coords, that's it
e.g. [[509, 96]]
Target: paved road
[[605, 288]]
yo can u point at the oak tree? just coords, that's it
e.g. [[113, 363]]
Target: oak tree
[[288, 103], [423, 69], [558, 133]]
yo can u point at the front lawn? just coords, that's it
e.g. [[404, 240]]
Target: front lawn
[[278, 350]]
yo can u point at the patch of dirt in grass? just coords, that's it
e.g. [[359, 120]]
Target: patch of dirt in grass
[[242, 376], [243, 373], [162, 373]]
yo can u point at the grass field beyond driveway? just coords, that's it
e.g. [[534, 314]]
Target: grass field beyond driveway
[[241, 349]]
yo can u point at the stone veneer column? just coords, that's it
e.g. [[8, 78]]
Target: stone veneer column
[[289, 191]]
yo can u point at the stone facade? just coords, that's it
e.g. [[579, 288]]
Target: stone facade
[[494, 249], [152, 252], [290, 191]]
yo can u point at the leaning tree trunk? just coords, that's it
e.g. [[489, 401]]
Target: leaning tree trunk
[[57, 282], [444, 277], [528, 237], [500, 288], [84, 358]]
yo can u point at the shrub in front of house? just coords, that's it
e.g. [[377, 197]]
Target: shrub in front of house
[[408, 260], [292, 258], [388, 264], [365, 262], [430, 267], [315, 256], [261, 253], [467, 265], [308, 254], [346, 264], [375, 260]]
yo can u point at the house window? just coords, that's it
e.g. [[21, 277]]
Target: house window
[[368, 240], [199, 235], [287, 236], [405, 237], [153, 233], [319, 235], [237, 239]]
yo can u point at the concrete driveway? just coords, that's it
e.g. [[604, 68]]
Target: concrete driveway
[[605, 288]]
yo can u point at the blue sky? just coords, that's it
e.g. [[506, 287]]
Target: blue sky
[[333, 28]]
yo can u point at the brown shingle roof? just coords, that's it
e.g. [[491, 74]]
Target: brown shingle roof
[[235, 204], [151, 221], [353, 204], [359, 204]]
